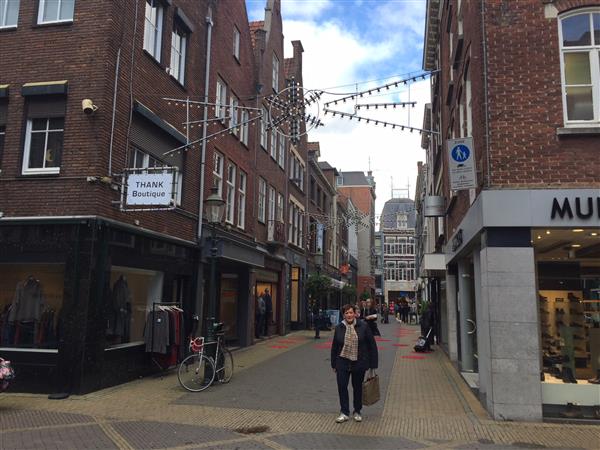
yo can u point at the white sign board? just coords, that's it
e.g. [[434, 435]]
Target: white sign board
[[149, 189], [461, 164]]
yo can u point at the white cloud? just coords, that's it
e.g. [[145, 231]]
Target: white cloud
[[335, 56], [304, 8]]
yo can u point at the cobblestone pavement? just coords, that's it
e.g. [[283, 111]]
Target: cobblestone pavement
[[283, 396]]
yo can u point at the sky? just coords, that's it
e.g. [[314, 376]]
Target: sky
[[356, 45]]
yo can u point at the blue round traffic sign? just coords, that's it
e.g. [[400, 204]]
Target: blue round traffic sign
[[460, 153]]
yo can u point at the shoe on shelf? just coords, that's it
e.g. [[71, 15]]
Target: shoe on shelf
[[342, 418], [595, 380], [357, 417], [567, 375]]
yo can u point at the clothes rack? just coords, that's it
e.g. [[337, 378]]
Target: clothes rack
[[156, 305]]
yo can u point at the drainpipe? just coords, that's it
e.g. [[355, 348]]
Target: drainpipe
[[200, 277], [114, 113], [485, 97]]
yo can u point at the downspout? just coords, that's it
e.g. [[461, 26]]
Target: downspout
[[485, 97], [200, 277], [114, 113]]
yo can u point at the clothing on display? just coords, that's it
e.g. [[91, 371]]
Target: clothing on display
[[119, 311], [164, 334]]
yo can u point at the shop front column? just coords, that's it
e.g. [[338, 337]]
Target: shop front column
[[451, 294], [509, 285], [466, 318], [483, 326]]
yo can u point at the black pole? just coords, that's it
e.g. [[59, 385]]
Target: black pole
[[211, 350], [318, 309]]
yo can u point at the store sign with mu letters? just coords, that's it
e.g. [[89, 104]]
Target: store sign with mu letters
[[461, 164], [150, 189]]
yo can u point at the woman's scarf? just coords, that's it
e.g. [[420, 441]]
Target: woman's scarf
[[350, 349]]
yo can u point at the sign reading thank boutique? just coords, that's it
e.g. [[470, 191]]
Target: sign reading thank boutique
[[582, 207], [149, 189]]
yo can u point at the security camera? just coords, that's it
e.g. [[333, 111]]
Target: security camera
[[88, 106]]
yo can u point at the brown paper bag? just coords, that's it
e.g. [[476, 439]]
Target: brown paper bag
[[370, 390]]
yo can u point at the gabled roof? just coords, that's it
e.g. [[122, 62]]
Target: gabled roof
[[254, 27], [394, 206], [324, 165]]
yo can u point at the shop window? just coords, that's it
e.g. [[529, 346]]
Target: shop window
[[153, 28], [31, 300], [9, 13], [128, 303], [580, 54], [55, 11]]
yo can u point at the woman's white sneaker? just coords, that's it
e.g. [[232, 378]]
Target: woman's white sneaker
[[342, 418]]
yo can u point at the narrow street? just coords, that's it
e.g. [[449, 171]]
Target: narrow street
[[283, 396]]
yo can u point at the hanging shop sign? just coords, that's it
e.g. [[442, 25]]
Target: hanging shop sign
[[149, 189], [461, 164]]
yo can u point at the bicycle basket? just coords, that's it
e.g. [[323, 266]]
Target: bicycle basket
[[196, 344]]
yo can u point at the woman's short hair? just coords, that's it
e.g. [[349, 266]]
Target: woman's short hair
[[346, 307]]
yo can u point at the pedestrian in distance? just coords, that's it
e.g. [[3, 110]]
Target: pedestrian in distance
[[268, 311], [353, 352], [369, 314], [259, 316]]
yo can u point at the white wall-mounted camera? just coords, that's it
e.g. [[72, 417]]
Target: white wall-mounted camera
[[88, 106]]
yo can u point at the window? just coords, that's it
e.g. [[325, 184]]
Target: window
[[275, 80], [43, 145], [9, 13], [221, 100], [281, 151], [153, 28], [178, 48], [234, 104], [241, 223], [280, 207], [263, 129], [236, 43], [295, 224], [274, 143], [218, 173], [52, 11], [580, 54], [271, 204], [230, 200], [262, 194], [244, 117]]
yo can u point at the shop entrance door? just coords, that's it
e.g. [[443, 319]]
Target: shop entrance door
[[228, 306], [260, 289]]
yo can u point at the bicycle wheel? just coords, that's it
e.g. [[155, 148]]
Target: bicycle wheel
[[196, 373], [225, 365]]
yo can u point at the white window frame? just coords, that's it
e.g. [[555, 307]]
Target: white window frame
[[27, 150], [178, 51], [218, 163], [241, 220], [230, 200], [234, 104], [236, 43], [593, 51], [262, 198], [61, 3], [4, 14], [244, 118], [264, 137], [275, 79], [153, 23], [281, 151], [280, 200], [272, 204], [221, 100], [274, 143]]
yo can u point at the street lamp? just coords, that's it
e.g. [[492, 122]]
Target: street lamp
[[215, 206]]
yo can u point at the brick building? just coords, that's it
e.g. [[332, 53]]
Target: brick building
[[361, 190], [138, 93], [521, 291]]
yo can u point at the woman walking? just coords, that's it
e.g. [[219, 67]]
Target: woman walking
[[353, 351]]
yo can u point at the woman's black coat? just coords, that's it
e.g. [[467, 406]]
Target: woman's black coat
[[367, 348]]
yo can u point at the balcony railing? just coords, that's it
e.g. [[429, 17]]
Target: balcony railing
[[275, 232]]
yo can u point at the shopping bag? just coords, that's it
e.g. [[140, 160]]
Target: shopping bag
[[370, 390]]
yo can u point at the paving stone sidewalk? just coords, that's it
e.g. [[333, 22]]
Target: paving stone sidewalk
[[283, 396]]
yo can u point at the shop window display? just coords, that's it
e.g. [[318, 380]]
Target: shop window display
[[128, 303], [31, 298]]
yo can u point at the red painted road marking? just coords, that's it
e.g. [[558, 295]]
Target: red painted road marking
[[412, 357], [278, 346], [379, 339], [400, 345]]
